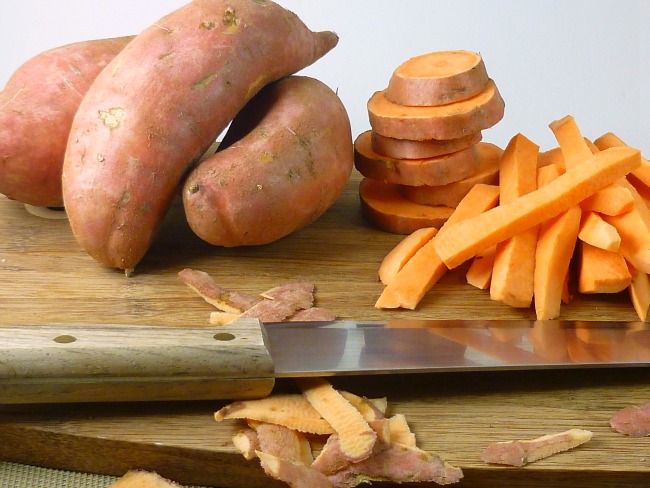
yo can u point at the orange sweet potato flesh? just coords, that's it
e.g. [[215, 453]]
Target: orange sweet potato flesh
[[281, 175], [452, 193], [449, 121], [602, 271], [37, 106], [437, 78], [514, 261], [466, 238], [438, 170], [160, 104], [425, 268], [430, 148], [383, 205]]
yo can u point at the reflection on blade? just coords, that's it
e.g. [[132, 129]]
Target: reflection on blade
[[416, 346]]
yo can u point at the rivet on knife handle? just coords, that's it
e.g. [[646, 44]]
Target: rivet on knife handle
[[99, 363]]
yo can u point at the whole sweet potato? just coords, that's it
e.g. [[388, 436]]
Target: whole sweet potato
[[160, 104], [292, 163], [36, 110]]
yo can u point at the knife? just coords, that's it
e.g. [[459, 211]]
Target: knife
[[110, 363]]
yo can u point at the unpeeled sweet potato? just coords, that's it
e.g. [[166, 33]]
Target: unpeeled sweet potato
[[292, 158], [160, 104], [37, 106]]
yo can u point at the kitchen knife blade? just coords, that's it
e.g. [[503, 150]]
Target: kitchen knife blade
[[99, 363]]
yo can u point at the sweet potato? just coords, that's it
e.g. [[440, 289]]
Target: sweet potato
[[437, 78], [464, 239], [397, 258], [279, 177], [425, 267], [384, 207], [452, 193], [438, 170], [514, 261], [438, 122], [430, 148], [160, 104], [36, 110], [602, 271]]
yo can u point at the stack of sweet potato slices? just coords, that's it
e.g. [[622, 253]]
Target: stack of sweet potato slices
[[579, 208], [425, 149]]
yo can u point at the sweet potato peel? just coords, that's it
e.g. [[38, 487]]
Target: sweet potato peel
[[363, 443], [522, 452], [292, 301]]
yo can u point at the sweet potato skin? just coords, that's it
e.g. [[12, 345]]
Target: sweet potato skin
[[160, 104], [37, 106], [281, 175]]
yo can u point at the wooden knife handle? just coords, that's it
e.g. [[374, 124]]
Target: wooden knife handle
[[116, 363]]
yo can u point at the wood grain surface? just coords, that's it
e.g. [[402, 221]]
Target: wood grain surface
[[47, 278]]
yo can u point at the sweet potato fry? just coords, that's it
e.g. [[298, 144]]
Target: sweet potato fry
[[290, 410], [602, 271], [514, 261], [479, 274], [400, 254], [356, 437], [610, 139], [464, 239], [425, 268], [595, 231], [521, 452]]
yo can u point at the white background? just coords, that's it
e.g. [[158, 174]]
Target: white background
[[549, 58]]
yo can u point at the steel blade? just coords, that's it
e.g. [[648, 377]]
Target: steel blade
[[426, 346]]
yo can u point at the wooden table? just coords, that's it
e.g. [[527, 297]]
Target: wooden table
[[47, 278]]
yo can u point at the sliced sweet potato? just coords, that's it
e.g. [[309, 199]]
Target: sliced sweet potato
[[612, 200], [384, 206], [466, 238], [400, 254], [514, 261], [438, 170], [479, 274], [610, 139], [451, 194], [574, 148], [408, 149], [449, 121], [425, 268], [602, 271], [634, 231], [555, 245], [437, 78], [640, 292], [595, 231]]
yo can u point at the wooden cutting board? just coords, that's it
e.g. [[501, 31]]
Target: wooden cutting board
[[47, 278]]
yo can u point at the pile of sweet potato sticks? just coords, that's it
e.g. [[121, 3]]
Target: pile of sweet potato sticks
[[582, 200]]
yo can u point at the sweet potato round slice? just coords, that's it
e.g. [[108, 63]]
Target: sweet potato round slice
[[437, 78], [438, 122], [452, 193], [431, 171], [384, 207], [408, 149]]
